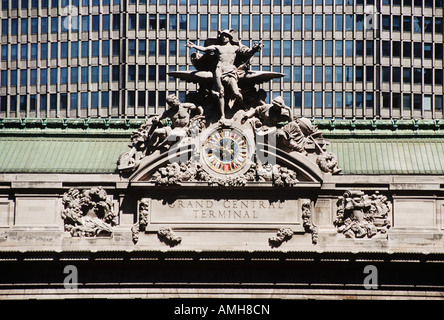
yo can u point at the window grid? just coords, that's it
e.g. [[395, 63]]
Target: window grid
[[119, 46]]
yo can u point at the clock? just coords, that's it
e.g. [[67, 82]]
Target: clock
[[226, 150]]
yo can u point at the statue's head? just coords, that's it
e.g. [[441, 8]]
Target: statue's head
[[225, 36], [278, 102], [172, 100]]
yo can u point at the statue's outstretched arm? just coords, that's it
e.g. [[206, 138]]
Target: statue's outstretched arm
[[200, 48]]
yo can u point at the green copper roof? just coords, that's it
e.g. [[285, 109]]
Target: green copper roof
[[389, 156], [60, 155], [93, 146]]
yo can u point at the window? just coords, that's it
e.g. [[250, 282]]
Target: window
[[105, 48], [54, 50], [43, 76], [132, 73], [308, 48], [74, 75], [297, 76], [116, 21], [183, 22], [64, 75], [439, 25], [407, 49], [396, 20], [95, 74], [407, 23], [307, 99], [298, 48], [308, 22], [417, 24], [276, 22], [338, 74], [396, 74], [359, 73], [428, 76], [396, 49], [152, 47], [193, 22], [328, 48], [266, 22], [318, 48], [338, 48], [369, 48], [349, 48], [407, 101], [349, 99], [34, 25], [339, 22], [84, 101], [438, 76], [95, 23], [386, 23], [105, 74], [297, 22], [369, 73], [85, 49], [95, 48], [287, 22], [428, 54], [348, 74], [84, 74], [438, 51], [105, 22], [23, 77], [142, 21], [318, 22], [407, 75], [349, 22], [132, 21], [53, 75], [417, 50], [428, 24], [162, 22], [386, 48], [131, 47], [338, 99], [287, 48], [276, 48], [359, 22], [318, 99], [359, 48], [318, 74], [23, 52], [307, 73], [417, 75], [85, 23], [329, 22], [74, 49], [386, 74], [54, 24]]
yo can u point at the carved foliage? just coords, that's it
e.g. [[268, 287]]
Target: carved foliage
[[308, 224], [284, 234], [88, 213], [168, 236], [359, 215], [140, 225], [174, 174]]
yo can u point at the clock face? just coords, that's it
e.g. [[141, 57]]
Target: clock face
[[226, 151]]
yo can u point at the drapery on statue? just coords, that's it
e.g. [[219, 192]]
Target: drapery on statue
[[230, 58]]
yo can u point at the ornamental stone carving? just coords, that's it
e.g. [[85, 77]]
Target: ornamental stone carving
[[360, 215], [168, 236], [227, 101], [88, 213]]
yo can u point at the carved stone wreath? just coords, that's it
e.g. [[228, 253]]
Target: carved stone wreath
[[88, 213], [359, 215]]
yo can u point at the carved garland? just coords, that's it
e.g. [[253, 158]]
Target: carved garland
[[285, 234], [88, 213]]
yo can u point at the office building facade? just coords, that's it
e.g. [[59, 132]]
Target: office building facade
[[111, 58]]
